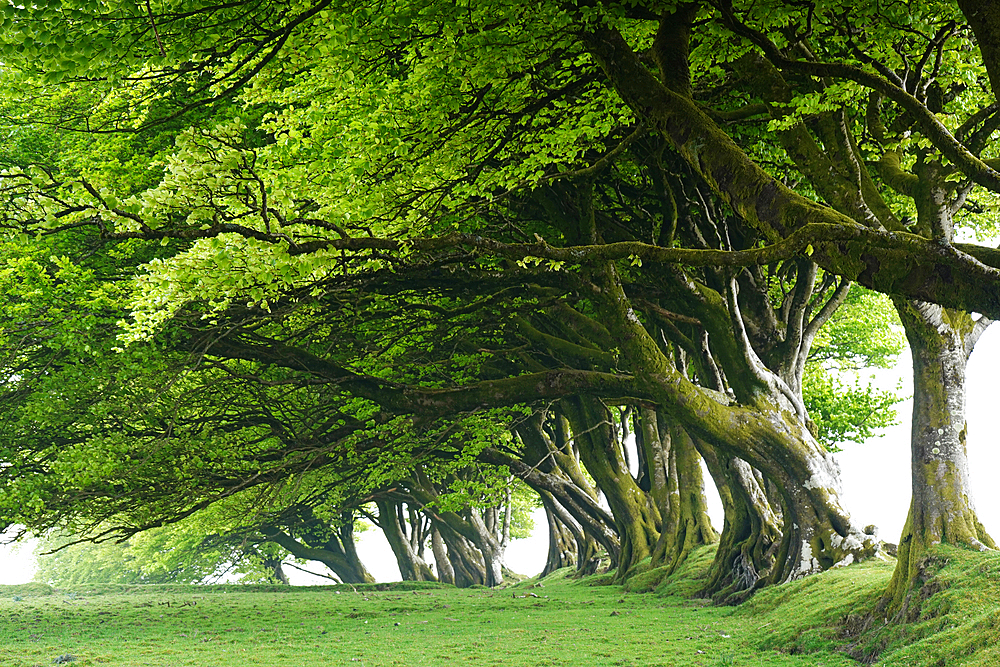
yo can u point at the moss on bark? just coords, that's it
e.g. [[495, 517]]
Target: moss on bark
[[941, 507]]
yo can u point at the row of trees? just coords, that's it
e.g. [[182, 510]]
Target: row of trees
[[296, 262]]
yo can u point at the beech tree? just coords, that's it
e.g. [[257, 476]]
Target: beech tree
[[432, 216], [890, 169]]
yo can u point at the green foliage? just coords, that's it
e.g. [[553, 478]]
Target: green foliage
[[231, 338], [181, 553], [863, 333], [846, 412]]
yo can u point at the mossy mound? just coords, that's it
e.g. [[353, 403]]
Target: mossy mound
[[957, 622]]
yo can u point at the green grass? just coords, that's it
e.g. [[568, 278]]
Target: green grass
[[958, 621], [559, 622]]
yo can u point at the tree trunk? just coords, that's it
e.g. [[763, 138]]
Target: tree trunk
[[766, 428], [337, 552], [273, 564], [485, 534], [446, 572], [941, 508], [461, 557], [278, 573], [595, 522], [751, 534], [412, 566], [637, 520], [565, 537], [552, 465], [492, 548], [687, 525]]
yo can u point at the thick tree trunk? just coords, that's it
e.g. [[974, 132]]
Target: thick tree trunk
[[941, 508], [595, 522], [550, 464], [637, 519], [412, 566], [686, 525], [446, 571], [751, 535], [766, 428], [563, 548], [460, 557], [337, 552], [487, 535], [652, 444], [492, 547]]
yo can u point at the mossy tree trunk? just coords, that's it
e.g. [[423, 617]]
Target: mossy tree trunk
[[751, 535], [766, 428], [767, 204], [478, 537], [596, 523], [686, 524], [550, 464], [941, 508], [565, 537], [331, 545], [393, 522], [446, 571], [458, 559], [637, 519]]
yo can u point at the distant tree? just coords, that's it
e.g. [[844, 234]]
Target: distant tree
[[169, 555]]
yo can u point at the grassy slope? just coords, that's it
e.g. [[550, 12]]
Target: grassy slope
[[568, 623]]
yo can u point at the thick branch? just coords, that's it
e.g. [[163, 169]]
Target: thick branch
[[930, 126], [920, 269], [405, 399]]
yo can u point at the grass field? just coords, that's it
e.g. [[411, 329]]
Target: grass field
[[558, 621]]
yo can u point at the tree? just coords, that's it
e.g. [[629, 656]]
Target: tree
[[919, 172], [184, 553], [390, 243]]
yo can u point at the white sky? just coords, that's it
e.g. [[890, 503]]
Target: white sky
[[876, 478]]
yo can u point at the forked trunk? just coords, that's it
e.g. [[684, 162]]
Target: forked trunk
[[337, 552], [941, 507], [686, 525], [412, 566], [636, 516], [563, 540], [766, 428], [751, 535], [446, 571]]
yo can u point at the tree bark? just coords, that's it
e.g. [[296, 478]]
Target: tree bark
[[774, 210], [941, 508], [564, 537], [337, 552], [687, 525], [487, 541], [768, 431], [595, 522], [463, 559], [751, 534], [446, 571], [637, 520], [412, 566]]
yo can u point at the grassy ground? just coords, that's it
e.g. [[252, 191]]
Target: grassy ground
[[560, 622]]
